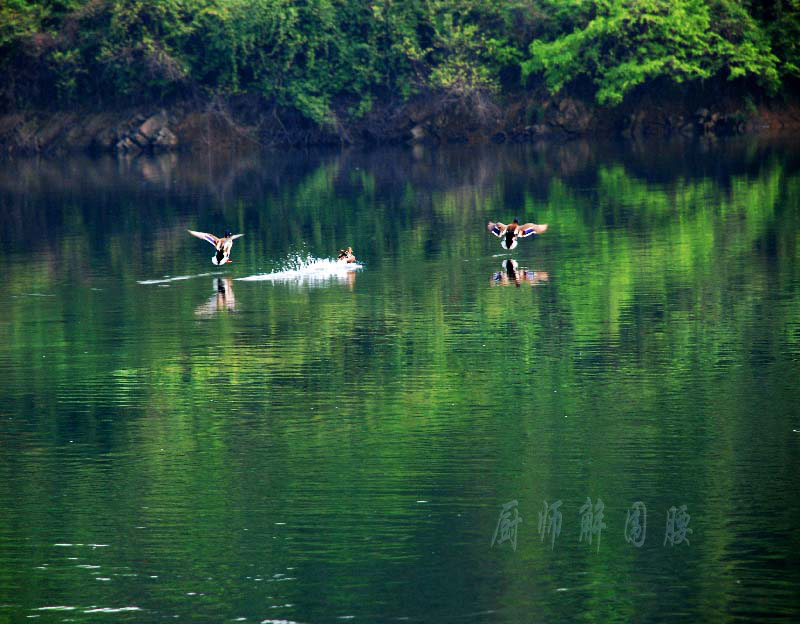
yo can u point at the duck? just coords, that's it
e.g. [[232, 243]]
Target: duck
[[222, 245], [346, 255], [508, 234]]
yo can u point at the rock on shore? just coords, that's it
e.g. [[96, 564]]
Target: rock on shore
[[426, 120]]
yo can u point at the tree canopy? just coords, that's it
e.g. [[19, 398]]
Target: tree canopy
[[620, 45], [333, 59]]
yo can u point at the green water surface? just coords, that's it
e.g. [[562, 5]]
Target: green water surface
[[340, 446]]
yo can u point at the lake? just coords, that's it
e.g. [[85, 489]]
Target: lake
[[606, 429]]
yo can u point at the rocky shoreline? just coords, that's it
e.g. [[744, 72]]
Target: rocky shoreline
[[431, 121]]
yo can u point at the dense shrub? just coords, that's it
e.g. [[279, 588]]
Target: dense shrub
[[333, 59]]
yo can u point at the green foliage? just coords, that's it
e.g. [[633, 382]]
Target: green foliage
[[620, 45], [18, 19], [781, 21], [141, 49], [334, 59]]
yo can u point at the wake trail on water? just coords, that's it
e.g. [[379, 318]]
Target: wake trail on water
[[307, 270], [177, 278]]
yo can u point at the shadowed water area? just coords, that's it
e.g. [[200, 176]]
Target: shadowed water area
[[390, 441]]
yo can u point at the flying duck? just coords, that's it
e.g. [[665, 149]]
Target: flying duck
[[346, 255], [222, 245], [508, 234]]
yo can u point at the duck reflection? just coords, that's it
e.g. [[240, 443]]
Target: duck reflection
[[223, 299], [350, 279], [512, 274]]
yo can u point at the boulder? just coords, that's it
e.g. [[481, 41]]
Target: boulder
[[152, 125], [572, 116], [99, 128], [140, 139], [165, 140], [105, 139], [127, 146], [419, 134], [53, 128]]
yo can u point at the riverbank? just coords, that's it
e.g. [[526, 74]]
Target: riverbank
[[434, 119]]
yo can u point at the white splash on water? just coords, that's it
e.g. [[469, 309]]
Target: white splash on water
[[308, 271]]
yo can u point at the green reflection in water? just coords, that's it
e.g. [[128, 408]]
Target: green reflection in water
[[345, 445]]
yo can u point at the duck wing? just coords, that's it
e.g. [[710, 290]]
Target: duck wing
[[227, 243], [526, 229], [497, 228], [206, 237]]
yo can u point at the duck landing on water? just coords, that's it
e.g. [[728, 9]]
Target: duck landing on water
[[508, 234], [346, 255], [222, 245]]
